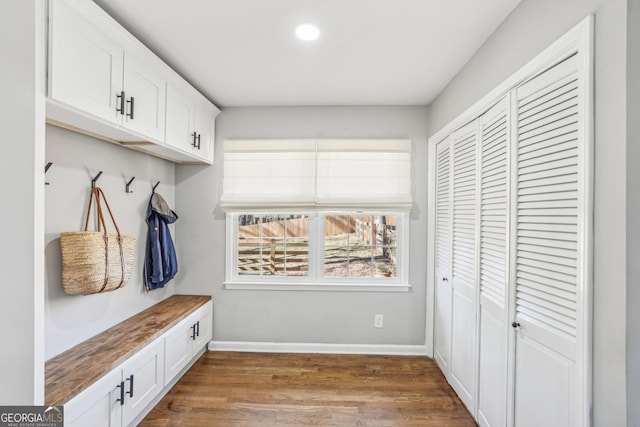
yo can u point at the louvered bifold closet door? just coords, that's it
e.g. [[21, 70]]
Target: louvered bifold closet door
[[493, 308], [442, 321], [548, 213], [464, 272]]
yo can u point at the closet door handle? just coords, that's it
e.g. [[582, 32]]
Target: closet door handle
[[516, 325], [445, 279], [130, 101], [130, 379], [121, 399], [120, 99]]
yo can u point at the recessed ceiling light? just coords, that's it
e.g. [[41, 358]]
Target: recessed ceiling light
[[307, 32]]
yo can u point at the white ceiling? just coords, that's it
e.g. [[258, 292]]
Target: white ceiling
[[370, 52]]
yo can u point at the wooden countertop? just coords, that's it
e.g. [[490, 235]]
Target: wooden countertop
[[70, 372]]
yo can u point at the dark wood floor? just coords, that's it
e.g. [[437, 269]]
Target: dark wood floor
[[266, 389]]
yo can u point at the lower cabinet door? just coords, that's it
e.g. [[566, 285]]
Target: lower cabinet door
[[143, 377], [178, 344], [98, 405], [204, 325]]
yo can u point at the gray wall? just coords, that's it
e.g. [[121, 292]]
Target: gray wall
[[531, 27], [22, 212], [633, 212], [71, 319], [301, 316]]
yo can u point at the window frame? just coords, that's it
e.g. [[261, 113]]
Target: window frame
[[315, 280]]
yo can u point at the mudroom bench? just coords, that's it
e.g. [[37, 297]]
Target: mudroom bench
[[117, 376]]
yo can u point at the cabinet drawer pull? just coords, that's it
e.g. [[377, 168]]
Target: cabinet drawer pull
[[120, 99], [198, 147], [121, 399], [194, 144], [130, 101], [130, 379]]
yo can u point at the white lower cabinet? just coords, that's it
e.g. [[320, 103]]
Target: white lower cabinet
[[185, 340], [117, 398], [121, 397]]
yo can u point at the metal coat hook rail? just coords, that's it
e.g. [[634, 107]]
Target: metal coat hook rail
[[93, 181], [129, 184]]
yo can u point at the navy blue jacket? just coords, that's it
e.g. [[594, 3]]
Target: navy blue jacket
[[160, 264]]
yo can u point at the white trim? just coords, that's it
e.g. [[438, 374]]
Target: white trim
[[430, 311], [282, 347], [351, 287], [585, 350]]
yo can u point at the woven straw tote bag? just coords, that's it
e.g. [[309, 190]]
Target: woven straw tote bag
[[96, 261]]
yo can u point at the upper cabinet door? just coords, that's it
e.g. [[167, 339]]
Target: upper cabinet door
[[180, 118], [144, 99], [205, 133], [85, 65]]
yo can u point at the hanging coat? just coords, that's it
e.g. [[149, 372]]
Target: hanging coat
[[160, 263]]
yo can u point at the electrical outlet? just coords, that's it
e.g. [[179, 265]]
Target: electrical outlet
[[378, 321]]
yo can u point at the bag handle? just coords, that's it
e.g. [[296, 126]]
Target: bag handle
[[98, 195]]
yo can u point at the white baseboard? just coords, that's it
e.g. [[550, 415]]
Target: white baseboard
[[286, 347]]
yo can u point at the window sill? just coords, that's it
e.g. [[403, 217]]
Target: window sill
[[332, 287]]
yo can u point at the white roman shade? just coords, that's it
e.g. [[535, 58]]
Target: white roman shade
[[323, 174], [268, 173], [364, 173]]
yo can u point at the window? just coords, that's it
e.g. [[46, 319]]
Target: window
[[360, 246], [272, 245], [317, 249], [323, 214]]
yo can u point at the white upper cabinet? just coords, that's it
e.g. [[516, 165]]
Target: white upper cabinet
[[205, 129], [189, 125], [105, 83], [144, 99], [86, 65], [180, 118]]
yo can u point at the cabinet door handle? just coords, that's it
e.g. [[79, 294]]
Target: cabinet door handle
[[121, 399], [193, 332], [198, 147], [130, 379], [193, 144], [130, 101], [120, 99], [198, 328]]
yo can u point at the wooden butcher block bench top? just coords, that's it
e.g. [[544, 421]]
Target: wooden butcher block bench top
[[71, 372]]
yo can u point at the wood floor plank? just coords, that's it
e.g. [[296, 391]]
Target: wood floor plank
[[267, 389]]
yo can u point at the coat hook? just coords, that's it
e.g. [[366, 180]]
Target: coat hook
[[155, 186], [128, 184], [93, 181], [46, 169]]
